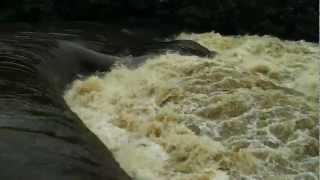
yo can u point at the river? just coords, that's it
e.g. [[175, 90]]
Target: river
[[251, 112]]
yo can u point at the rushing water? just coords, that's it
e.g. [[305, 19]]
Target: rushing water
[[248, 113]]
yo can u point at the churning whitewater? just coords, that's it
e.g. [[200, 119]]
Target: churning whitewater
[[250, 112]]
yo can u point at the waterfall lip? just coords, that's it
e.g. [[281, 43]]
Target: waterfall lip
[[56, 144], [31, 148]]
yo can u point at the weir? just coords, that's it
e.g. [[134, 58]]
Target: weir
[[40, 137]]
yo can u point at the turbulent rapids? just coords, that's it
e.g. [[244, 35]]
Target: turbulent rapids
[[250, 112]]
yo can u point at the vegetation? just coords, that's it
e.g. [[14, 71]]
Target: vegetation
[[289, 19]]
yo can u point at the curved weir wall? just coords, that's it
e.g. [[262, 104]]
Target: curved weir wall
[[40, 137], [249, 112]]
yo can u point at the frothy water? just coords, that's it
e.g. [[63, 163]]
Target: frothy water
[[249, 113]]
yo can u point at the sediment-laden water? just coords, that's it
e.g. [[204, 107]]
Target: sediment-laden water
[[251, 112]]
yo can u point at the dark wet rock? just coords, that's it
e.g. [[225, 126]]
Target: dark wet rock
[[40, 138], [184, 47]]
